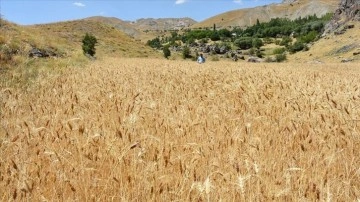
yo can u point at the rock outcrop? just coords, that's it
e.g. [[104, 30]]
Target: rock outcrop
[[288, 1], [349, 10]]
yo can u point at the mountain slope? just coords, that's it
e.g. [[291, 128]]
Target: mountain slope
[[64, 38], [118, 24], [341, 40], [162, 23], [291, 9]]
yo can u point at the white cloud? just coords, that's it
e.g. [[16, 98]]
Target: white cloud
[[79, 4], [180, 1], [238, 1]]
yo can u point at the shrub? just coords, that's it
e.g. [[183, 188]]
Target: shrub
[[186, 52], [279, 51], [285, 41], [244, 42], [268, 40], [280, 57], [296, 47], [252, 51], [257, 43], [215, 36], [89, 41], [166, 52], [155, 43], [311, 36], [259, 53]]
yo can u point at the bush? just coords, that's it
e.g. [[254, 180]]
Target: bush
[[215, 36], [280, 57], [252, 51], [257, 43], [166, 52], [244, 42], [89, 41], [155, 43], [259, 54], [285, 41], [279, 51], [268, 40], [311, 36], [296, 47], [186, 52]]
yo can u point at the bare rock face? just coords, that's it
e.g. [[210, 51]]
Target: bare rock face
[[349, 10], [288, 1]]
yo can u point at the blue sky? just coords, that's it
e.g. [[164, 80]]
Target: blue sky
[[26, 12]]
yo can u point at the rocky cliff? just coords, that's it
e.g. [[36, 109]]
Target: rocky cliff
[[348, 10]]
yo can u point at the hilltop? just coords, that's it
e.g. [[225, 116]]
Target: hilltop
[[124, 26], [291, 9]]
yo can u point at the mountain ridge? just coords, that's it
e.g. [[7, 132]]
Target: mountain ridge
[[291, 9]]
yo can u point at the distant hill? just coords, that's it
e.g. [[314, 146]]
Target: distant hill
[[118, 24], [291, 9], [162, 23], [146, 28]]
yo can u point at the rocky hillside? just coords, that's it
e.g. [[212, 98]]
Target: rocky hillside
[[63, 40], [162, 23], [348, 10], [287, 9], [341, 39]]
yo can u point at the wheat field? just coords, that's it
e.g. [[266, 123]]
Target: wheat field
[[160, 130]]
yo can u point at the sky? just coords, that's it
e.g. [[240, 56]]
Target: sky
[[27, 12]]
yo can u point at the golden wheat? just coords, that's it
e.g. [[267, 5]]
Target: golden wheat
[[158, 130]]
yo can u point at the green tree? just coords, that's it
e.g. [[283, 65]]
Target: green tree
[[257, 43], [89, 41], [297, 46], [166, 52], [186, 52], [244, 42], [215, 36], [154, 43]]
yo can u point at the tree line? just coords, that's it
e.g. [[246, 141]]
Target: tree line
[[294, 35]]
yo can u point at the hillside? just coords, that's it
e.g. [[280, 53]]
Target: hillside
[[288, 9], [162, 23], [333, 48], [63, 40], [112, 41], [118, 24], [341, 38]]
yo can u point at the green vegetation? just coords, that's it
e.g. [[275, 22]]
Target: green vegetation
[[186, 52], [280, 57], [279, 51], [166, 52], [89, 41], [292, 35]]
